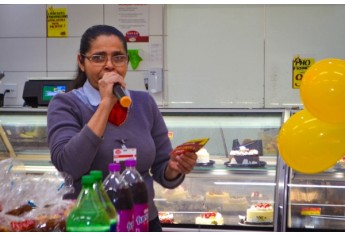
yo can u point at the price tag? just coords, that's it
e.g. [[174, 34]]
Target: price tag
[[311, 211], [122, 154]]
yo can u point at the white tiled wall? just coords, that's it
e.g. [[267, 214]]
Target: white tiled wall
[[62, 54], [22, 21], [26, 52], [214, 56], [23, 54], [315, 31], [240, 56]]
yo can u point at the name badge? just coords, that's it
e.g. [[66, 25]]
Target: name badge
[[122, 154]]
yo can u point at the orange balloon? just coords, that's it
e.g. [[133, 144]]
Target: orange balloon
[[309, 145], [323, 90]]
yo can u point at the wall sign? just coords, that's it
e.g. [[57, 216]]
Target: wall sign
[[133, 21], [299, 67], [57, 22]]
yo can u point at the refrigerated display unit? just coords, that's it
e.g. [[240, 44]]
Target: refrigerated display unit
[[221, 186]]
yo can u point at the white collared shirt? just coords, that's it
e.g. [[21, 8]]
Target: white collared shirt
[[93, 95]]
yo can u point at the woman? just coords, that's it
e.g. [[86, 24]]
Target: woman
[[86, 124]]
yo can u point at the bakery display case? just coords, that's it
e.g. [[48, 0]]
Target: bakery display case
[[23, 137], [220, 189], [316, 202], [218, 192]]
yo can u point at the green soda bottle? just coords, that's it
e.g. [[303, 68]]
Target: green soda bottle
[[105, 200], [88, 215]]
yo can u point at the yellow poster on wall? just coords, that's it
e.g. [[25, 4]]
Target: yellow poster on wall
[[299, 67], [57, 22]]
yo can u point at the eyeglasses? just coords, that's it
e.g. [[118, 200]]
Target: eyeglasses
[[100, 59]]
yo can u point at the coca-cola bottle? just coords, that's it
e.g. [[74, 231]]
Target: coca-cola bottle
[[140, 196], [121, 196]]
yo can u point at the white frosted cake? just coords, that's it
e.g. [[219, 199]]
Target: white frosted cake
[[260, 213], [235, 203], [243, 151], [166, 217], [175, 194], [210, 218], [203, 156], [214, 201], [217, 197], [244, 156]]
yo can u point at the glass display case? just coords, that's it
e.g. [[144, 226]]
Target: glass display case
[[316, 202], [219, 186], [23, 136], [222, 187]]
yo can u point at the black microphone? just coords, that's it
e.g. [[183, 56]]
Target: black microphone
[[118, 91]]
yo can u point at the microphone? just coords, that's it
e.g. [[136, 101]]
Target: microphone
[[118, 91]]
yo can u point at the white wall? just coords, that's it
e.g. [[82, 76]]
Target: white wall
[[240, 56], [215, 55], [26, 52], [218, 56], [314, 30]]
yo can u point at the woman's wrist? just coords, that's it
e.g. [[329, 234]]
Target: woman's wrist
[[171, 174]]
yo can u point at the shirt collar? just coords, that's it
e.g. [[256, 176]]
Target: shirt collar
[[93, 95]]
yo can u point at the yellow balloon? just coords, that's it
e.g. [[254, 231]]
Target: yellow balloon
[[309, 145], [323, 90]]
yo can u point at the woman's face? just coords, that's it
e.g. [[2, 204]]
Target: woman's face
[[108, 45]]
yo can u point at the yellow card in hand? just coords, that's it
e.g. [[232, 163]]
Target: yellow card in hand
[[193, 145]]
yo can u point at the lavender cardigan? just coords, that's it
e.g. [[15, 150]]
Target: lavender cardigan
[[76, 150]]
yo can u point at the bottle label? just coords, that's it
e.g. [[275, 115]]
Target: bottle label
[[141, 218], [125, 221]]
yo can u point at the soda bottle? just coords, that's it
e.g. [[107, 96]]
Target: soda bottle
[[140, 196], [88, 215], [103, 196], [120, 195]]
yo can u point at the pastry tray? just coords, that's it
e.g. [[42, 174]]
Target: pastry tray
[[249, 165], [208, 164], [243, 222]]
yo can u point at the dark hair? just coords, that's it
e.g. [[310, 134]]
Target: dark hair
[[85, 43]]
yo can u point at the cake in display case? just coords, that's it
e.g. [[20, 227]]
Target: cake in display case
[[225, 191], [217, 199], [218, 193], [213, 195]]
